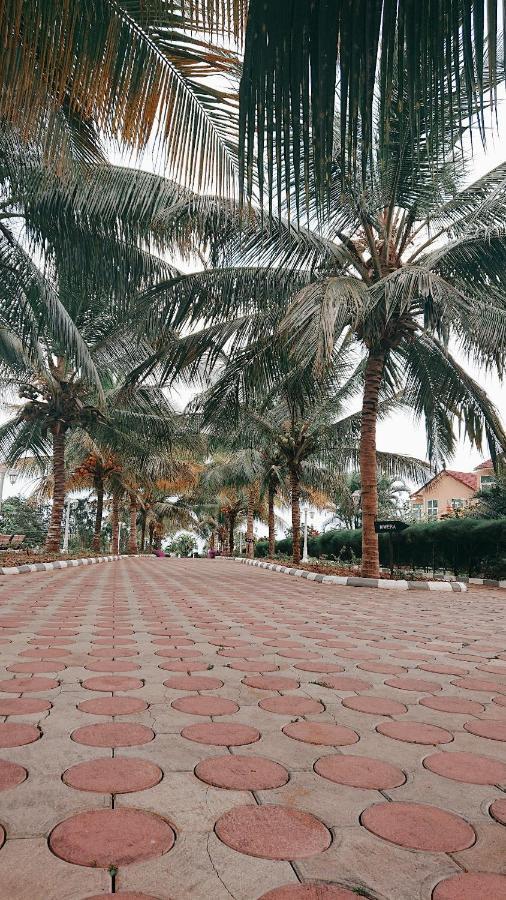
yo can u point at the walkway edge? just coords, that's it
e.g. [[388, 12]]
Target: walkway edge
[[59, 564], [351, 581]]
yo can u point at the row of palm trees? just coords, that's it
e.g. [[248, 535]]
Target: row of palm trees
[[298, 337]]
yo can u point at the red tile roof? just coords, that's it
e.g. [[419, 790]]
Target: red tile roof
[[488, 464]]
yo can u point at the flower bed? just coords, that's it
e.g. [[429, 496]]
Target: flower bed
[[23, 557]]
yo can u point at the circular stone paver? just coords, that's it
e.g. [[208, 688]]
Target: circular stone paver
[[205, 706], [249, 665], [453, 705], [291, 706], [116, 665], [345, 683], [360, 772], [118, 734], [325, 667], [415, 732], [21, 685], [309, 892], [498, 811], [272, 832], [271, 682], [125, 895], [11, 774], [494, 731], [324, 733], [113, 706], [418, 827], [35, 667], [22, 706], [471, 886], [120, 775], [112, 683], [111, 837], [220, 734], [376, 706], [242, 773], [414, 684], [13, 734], [193, 683], [467, 767]]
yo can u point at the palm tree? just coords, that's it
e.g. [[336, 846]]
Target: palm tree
[[401, 268]]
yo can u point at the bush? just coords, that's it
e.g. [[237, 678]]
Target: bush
[[463, 546]]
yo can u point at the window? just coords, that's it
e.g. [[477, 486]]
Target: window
[[487, 481], [416, 509], [432, 509], [456, 504]]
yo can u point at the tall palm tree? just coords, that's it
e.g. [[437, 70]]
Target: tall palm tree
[[401, 268]]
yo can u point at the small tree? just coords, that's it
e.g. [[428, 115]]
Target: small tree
[[183, 545]]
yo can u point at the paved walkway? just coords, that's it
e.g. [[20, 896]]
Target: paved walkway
[[197, 730]]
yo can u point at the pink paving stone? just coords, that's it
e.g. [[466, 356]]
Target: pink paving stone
[[15, 734], [193, 683], [467, 767], [453, 705], [500, 700], [35, 667], [360, 772], [111, 683], [272, 832], [415, 732], [324, 733], [252, 666], [220, 734], [271, 682], [291, 706], [498, 811], [494, 731], [45, 654], [22, 706], [471, 886], [298, 654], [326, 667], [119, 775], [111, 837], [113, 652], [242, 773], [481, 684], [113, 706], [23, 685], [11, 774], [119, 734], [376, 706], [413, 684], [180, 653], [381, 668], [442, 669], [345, 683], [183, 665], [205, 706], [116, 665], [418, 827], [242, 653], [309, 892]]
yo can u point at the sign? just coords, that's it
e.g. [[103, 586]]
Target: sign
[[389, 526]]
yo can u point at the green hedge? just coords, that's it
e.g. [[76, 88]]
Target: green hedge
[[461, 546]]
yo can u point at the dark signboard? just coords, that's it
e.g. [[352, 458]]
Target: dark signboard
[[389, 526]]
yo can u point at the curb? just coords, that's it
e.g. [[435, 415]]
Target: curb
[[488, 582], [58, 564], [351, 581]]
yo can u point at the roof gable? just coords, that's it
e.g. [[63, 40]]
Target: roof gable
[[468, 478]]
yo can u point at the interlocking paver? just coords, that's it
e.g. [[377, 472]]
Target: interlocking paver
[[195, 730]]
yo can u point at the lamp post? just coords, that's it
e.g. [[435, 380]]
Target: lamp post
[[357, 502], [304, 552], [12, 473], [66, 533]]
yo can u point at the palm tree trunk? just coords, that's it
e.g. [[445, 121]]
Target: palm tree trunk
[[212, 540], [115, 523], [225, 536], [143, 531], [272, 529], [250, 547], [53, 540], [231, 533], [295, 498], [151, 533], [99, 488], [368, 463], [132, 537]]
